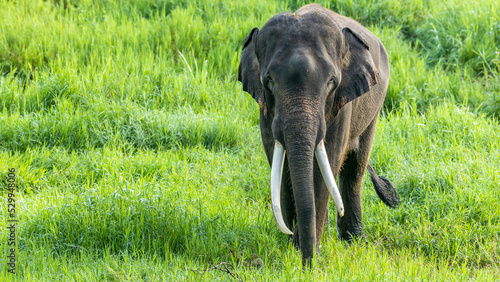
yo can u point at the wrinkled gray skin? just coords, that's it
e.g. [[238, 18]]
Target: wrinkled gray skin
[[318, 75]]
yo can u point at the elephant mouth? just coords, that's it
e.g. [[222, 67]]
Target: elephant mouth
[[277, 172]]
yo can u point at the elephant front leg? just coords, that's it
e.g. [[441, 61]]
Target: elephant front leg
[[351, 176], [287, 202], [350, 225], [321, 199]]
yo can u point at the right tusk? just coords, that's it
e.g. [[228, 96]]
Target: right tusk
[[276, 173], [326, 171]]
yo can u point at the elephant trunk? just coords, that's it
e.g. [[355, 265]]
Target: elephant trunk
[[300, 160], [302, 133]]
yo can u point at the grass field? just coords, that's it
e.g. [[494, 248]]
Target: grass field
[[138, 156]]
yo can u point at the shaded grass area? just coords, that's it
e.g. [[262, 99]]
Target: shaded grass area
[[453, 34], [122, 126], [138, 156]]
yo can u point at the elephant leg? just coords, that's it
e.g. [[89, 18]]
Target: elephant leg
[[338, 146], [321, 198], [287, 202], [350, 179]]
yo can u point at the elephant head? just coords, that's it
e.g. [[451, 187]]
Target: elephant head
[[302, 68]]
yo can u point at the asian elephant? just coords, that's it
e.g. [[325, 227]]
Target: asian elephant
[[320, 80]]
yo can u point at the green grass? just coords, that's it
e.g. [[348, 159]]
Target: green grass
[[138, 155]]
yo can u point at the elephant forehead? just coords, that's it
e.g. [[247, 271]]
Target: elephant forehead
[[306, 43], [300, 65], [310, 28], [299, 59]]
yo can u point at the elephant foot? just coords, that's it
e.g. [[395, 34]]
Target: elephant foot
[[352, 236], [295, 240]]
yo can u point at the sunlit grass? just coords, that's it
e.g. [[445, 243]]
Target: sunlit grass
[[138, 155]]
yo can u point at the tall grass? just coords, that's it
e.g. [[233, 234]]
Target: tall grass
[[138, 156]]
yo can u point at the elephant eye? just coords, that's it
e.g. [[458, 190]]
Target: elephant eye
[[332, 82], [269, 83], [269, 79]]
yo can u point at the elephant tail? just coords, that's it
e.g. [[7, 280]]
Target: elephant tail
[[384, 188]]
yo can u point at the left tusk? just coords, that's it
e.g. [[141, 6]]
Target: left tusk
[[276, 174], [326, 171]]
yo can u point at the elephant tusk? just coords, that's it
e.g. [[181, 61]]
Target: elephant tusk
[[326, 171], [276, 173]]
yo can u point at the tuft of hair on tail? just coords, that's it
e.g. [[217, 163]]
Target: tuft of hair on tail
[[384, 188]]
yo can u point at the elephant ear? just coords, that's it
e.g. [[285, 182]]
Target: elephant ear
[[359, 73], [248, 72]]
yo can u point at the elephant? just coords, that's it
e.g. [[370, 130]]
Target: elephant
[[319, 80]]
